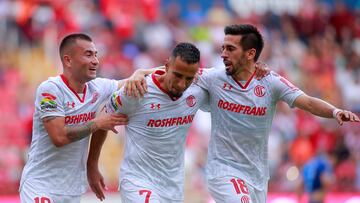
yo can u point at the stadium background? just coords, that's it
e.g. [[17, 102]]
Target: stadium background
[[315, 44]]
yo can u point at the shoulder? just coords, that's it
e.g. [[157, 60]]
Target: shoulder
[[206, 76], [211, 71], [195, 89], [50, 83], [100, 81], [271, 79]]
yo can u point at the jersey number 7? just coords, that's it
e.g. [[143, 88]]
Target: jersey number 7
[[147, 197]]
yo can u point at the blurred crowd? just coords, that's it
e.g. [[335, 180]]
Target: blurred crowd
[[314, 43]]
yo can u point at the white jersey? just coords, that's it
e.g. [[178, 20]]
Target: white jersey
[[63, 170], [241, 117], [155, 136]]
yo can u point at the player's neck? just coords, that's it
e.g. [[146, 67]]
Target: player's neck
[[75, 84], [245, 73]]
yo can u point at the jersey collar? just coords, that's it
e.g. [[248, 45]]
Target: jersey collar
[[157, 83], [65, 80], [247, 82]]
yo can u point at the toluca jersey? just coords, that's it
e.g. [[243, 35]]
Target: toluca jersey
[[241, 117], [155, 136], [62, 170]]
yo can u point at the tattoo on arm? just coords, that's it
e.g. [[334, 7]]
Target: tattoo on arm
[[75, 133]]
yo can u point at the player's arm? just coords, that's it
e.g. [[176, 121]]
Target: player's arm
[[95, 179], [135, 85], [321, 108], [117, 103], [61, 135]]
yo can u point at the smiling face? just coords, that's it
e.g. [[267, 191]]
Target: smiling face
[[82, 61], [179, 76]]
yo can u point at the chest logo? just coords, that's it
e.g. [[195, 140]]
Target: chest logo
[[259, 91], [95, 97], [227, 86], [190, 101], [70, 105], [155, 106]]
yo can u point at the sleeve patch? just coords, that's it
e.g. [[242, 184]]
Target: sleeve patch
[[116, 101], [48, 95], [48, 102]]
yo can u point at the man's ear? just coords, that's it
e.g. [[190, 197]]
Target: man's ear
[[251, 54], [67, 60]]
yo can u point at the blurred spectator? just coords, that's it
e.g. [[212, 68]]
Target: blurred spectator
[[317, 177]]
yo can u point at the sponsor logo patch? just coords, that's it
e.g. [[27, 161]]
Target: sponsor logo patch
[[116, 101], [48, 102]]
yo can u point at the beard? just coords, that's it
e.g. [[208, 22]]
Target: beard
[[229, 71], [235, 67]]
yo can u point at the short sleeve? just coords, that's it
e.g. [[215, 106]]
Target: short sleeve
[[49, 100], [285, 90], [121, 103], [107, 86], [205, 105]]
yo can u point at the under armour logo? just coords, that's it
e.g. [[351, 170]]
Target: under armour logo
[[227, 86], [155, 106], [70, 104]]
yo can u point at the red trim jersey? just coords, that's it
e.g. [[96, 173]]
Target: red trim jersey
[[155, 136], [241, 117], [63, 170]]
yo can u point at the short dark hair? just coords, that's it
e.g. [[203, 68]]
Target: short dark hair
[[251, 37], [187, 52], [71, 39]]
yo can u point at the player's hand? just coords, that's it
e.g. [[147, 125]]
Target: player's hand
[[346, 116], [96, 182], [107, 121], [262, 70], [136, 85]]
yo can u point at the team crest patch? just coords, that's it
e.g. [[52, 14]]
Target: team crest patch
[[48, 102], [116, 101], [245, 199], [259, 91], [190, 101]]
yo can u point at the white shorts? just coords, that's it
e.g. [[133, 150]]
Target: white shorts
[[232, 189], [29, 194], [131, 193]]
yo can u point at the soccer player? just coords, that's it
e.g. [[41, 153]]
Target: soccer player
[[242, 110], [153, 165], [65, 116]]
